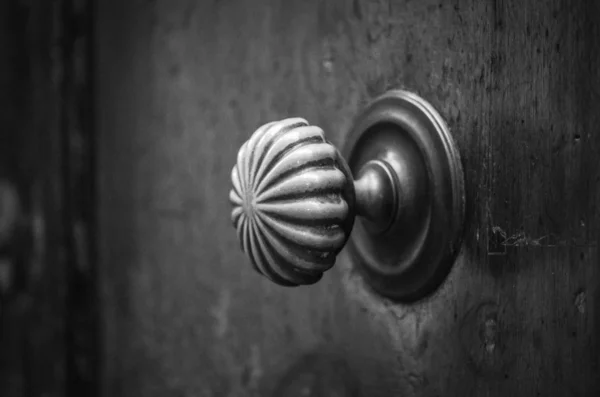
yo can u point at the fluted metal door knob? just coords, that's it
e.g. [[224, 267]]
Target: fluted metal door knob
[[295, 200]]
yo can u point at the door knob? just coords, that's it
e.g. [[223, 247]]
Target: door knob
[[295, 198]]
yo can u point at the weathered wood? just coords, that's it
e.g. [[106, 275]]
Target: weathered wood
[[183, 83]]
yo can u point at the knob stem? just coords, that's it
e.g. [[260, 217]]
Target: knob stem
[[377, 198]]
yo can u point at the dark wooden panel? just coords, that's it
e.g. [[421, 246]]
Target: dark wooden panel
[[32, 328], [183, 83], [78, 140], [48, 316]]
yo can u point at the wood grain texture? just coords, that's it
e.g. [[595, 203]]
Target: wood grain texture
[[32, 316], [182, 84]]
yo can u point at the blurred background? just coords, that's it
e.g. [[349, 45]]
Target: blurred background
[[48, 317]]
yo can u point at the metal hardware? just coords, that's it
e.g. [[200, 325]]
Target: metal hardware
[[295, 202]]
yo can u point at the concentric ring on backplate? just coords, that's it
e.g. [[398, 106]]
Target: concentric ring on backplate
[[412, 258]]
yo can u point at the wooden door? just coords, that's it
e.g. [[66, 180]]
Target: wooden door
[[182, 84]]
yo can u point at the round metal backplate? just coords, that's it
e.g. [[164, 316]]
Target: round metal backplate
[[409, 259]]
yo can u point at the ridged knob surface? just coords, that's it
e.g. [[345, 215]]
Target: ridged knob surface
[[293, 201]]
